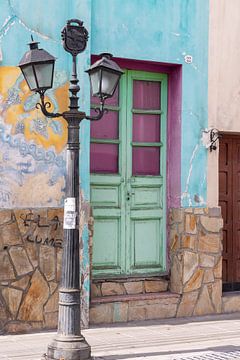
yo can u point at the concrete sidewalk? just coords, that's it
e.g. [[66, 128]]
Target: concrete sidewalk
[[212, 337]]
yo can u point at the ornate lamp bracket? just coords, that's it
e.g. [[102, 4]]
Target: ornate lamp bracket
[[44, 105], [100, 112]]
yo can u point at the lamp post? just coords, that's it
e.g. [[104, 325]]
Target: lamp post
[[37, 66]]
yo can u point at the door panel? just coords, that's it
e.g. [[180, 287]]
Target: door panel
[[229, 200], [129, 198]]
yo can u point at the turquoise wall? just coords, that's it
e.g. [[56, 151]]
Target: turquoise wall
[[44, 19], [165, 31], [151, 30]]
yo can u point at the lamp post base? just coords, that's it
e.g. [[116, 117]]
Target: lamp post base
[[70, 348]]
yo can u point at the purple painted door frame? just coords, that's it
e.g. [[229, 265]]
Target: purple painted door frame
[[174, 72]]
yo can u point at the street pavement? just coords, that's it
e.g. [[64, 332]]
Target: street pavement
[[204, 338]]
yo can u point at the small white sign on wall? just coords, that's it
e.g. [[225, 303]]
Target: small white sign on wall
[[188, 59], [69, 213]]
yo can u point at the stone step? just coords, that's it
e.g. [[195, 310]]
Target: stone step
[[124, 308]]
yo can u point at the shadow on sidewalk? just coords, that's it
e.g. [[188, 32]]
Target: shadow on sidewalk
[[221, 350]]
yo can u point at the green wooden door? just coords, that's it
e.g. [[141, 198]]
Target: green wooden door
[[128, 180]]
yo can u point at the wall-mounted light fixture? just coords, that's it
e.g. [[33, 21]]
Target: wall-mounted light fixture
[[210, 138]]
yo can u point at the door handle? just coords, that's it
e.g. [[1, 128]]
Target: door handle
[[129, 194]]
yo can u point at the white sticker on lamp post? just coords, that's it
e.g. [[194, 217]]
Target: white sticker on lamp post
[[69, 213]]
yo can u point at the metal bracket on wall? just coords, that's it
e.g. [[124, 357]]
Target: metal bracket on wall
[[210, 138]]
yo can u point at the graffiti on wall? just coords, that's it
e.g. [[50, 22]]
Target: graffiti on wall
[[51, 234], [32, 159]]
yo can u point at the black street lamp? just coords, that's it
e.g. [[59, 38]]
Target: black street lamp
[[37, 66]]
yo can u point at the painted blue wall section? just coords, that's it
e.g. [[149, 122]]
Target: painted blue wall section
[[165, 31], [44, 19]]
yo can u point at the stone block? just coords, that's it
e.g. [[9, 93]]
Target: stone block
[[176, 285], [112, 288], [206, 260], [32, 251], [6, 217], [51, 320], [47, 261], [177, 215], [13, 299], [188, 210], [189, 241], [9, 235], [17, 327], [59, 264], [95, 290], [212, 224], [209, 243], [52, 286], [198, 211], [6, 268], [120, 312], [100, 314], [20, 260], [52, 304], [190, 264], [174, 241], [22, 283], [187, 304], [195, 282], [208, 276], [136, 313], [32, 306], [204, 305], [231, 303], [217, 296], [133, 287], [215, 211], [165, 308], [218, 269], [154, 286], [190, 224]]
